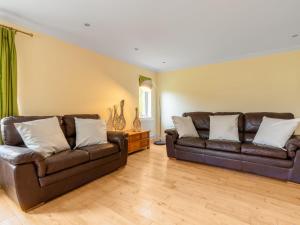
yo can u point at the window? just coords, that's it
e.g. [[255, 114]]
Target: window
[[145, 102]]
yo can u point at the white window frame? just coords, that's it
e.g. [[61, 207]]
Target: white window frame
[[145, 102]]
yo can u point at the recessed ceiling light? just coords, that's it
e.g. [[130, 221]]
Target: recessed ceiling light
[[294, 35], [87, 24], [136, 49]]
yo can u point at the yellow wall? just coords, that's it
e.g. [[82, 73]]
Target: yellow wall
[[269, 83], [60, 78], [56, 78]]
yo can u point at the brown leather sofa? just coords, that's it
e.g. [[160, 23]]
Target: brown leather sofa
[[243, 155], [29, 179]]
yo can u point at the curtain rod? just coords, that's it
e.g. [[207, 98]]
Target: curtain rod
[[20, 31]]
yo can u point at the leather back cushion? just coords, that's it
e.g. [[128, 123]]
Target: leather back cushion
[[200, 119], [203, 134], [201, 122], [253, 121], [10, 135], [249, 137], [69, 124]]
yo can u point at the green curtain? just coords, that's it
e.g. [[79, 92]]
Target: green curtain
[[142, 79], [8, 74], [145, 81]]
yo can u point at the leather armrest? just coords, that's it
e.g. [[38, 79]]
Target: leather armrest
[[294, 143], [171, 138], [172, 132], [119, 138], [19, 155]]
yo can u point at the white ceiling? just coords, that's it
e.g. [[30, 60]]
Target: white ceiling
[[182, 33]]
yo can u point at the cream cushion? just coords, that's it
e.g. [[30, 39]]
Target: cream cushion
[[90, 132], [185, 126], [44, 136], [224, 127], [275, 132]]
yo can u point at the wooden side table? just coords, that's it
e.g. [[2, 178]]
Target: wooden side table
[[138, 141]]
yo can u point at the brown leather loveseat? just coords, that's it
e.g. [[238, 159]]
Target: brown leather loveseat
[[243, 155], [29, 179]]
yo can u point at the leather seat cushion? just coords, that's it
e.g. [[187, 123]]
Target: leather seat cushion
[[229, 146], [85, 168], [101, 150], [191, 142], [65, 159], [251, 149], [188, 149]]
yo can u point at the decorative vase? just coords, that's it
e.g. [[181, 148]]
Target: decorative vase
[[109, 124], [121, 118], [115, 118], [136, 122]]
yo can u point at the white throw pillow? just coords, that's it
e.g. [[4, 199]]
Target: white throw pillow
[[275, 132], [44, 136], [224, 127], [90, 132], [185, 126]]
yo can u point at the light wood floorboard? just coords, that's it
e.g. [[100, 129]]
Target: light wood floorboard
[[153, 190]]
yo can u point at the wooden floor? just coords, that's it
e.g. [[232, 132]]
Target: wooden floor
[[153, 189]]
